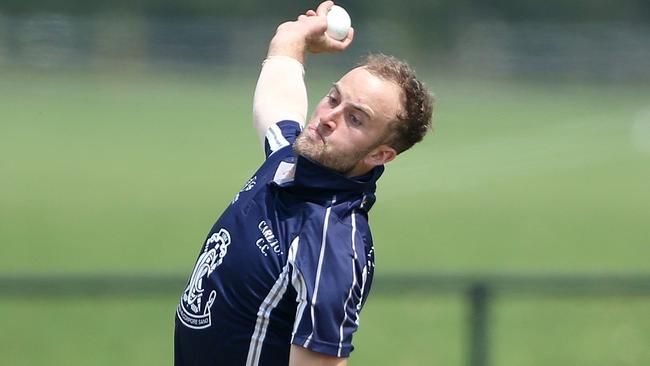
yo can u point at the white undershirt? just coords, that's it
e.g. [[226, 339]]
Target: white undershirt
[[280, 94]]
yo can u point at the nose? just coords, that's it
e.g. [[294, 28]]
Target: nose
[[329, 122]]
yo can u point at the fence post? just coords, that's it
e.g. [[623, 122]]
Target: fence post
[[478, 337]]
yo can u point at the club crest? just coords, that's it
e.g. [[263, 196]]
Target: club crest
[[194, 309]]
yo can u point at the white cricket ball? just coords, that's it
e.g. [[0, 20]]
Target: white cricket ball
[[338, 23]]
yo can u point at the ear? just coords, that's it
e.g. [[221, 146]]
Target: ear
[[380, 155]]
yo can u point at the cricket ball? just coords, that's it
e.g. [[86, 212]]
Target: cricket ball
[[338, 23]]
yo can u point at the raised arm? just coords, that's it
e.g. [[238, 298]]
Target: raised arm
[[280, 92]]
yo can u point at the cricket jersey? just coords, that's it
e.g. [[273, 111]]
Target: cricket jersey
[[290, 261]]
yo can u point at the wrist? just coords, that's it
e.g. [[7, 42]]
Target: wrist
[[289, 45]]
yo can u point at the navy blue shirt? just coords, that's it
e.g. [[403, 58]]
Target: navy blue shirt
[[290, 261]]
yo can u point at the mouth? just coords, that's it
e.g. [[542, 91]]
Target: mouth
[[314, 131]]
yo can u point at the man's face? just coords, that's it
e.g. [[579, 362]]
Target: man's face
[[347, 128]]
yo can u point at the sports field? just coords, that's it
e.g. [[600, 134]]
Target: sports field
[[124, 172]]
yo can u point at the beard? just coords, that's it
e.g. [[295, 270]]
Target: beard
[[320, 151]]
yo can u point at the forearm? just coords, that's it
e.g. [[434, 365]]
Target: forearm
[[288, 42], [299, 356], [280, 92]]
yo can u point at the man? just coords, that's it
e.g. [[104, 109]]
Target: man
[[286, 269]]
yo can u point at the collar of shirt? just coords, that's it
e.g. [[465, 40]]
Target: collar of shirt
[[310, 174], [318, 182]]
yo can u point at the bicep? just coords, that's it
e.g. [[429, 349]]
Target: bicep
[[300, 356]]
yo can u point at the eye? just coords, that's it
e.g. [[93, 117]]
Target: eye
[[355, 120], [332, 98]]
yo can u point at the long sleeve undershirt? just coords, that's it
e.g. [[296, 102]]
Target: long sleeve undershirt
[[280, 94]]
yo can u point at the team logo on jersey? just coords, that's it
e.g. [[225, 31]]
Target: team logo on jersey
[[250, 184], [194, 309]]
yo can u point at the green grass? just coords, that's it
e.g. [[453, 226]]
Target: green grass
[[575, 331], [427, 331], [406, 330], [101, 172], [107, 331], [126, 172], [98, 332]]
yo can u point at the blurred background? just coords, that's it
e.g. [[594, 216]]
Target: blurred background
[[516, 234]]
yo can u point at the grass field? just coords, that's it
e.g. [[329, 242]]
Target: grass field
[[125, 173]]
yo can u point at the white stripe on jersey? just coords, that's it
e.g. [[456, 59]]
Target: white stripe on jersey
[[320, 266], [298, 282], [364, 276], [354, 283], [275, 138], [263, 314]]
